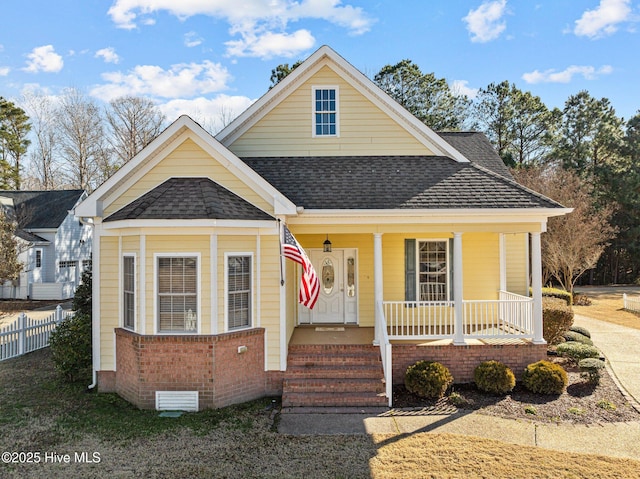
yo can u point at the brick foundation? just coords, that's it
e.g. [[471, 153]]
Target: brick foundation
[[208, 364], [462, 360], [212, 365]]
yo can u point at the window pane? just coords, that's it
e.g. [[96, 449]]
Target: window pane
[[325, 112], [177, 294], [432, 277], [239, 291], [128, 285]]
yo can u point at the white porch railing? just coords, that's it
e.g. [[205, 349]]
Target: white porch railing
[[26, 334], [382, 339], [631, 303], [419, 319], [510, 316]]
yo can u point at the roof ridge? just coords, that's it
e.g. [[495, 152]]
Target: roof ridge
[[516, 184]]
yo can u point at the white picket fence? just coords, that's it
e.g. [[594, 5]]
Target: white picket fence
[[631, 303], [26, 334]]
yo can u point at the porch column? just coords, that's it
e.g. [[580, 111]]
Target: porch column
[[536, 288], [458, 335], [378, 293], [503, 262]]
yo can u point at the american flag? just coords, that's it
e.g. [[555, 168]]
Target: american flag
[[309, 283]]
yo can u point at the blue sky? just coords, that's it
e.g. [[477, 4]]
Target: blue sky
[[212, 58]]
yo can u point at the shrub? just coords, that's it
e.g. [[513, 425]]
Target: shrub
[[494, 377], [577, 351], [545, 377], [590, 369], [459, 401], [82, 297], [71, 347], [581, 300], [557, 318], [70, 342], [605, 404], [558, 293], [577, 337], [581, 330], [428, 379]]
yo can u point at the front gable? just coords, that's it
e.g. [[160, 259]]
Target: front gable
[[281, 123], [363, 129], [183, 150]]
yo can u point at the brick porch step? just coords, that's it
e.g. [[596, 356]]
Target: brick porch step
[[334, 385], [334, 376], [333, 400]]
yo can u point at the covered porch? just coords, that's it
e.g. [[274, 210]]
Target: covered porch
[[461, 314]]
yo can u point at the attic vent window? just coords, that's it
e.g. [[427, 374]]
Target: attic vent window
[[325, 111]]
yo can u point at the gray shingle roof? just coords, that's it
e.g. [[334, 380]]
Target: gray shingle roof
[[189, 198], [477, 148], [393, 182], [42, 209]]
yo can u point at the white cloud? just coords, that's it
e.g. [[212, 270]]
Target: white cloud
[[109, 55], [485, 22], [44, 59], [212, 113], [183, 80], [4, 71], [604, 19], [271, 44], [460, 87], [192, 39], [253, 19], [565, 76]]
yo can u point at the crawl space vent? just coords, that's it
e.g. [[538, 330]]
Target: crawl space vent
[[176, 400]]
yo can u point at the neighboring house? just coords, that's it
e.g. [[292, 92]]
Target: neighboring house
[[423, 243], [55, 247]]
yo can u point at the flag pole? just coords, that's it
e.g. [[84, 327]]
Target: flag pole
[[280, 243]]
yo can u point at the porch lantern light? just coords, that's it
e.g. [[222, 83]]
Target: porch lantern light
[[326, 246]]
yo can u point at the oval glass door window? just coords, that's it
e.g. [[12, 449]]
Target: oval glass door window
[[328, 276]]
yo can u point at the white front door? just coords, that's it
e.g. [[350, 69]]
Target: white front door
[[337, 301], [330, 307]]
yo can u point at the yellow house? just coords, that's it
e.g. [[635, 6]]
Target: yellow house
[[423, 244]]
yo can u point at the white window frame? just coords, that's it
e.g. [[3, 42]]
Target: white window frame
[[447, 267], [156, 318], [35, 258], [123, 291], [314, 111], [252, 292]]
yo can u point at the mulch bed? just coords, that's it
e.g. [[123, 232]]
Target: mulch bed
[[581, 403]]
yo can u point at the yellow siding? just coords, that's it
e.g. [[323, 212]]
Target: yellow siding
[[188, 159], [291, 295], [109, 300], [131, 244], [481, 265], [270, 297], [516, 263], [364, 128]]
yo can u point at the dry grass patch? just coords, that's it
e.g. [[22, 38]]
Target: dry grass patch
[[444, 456], [40, 414], [607, 305]]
